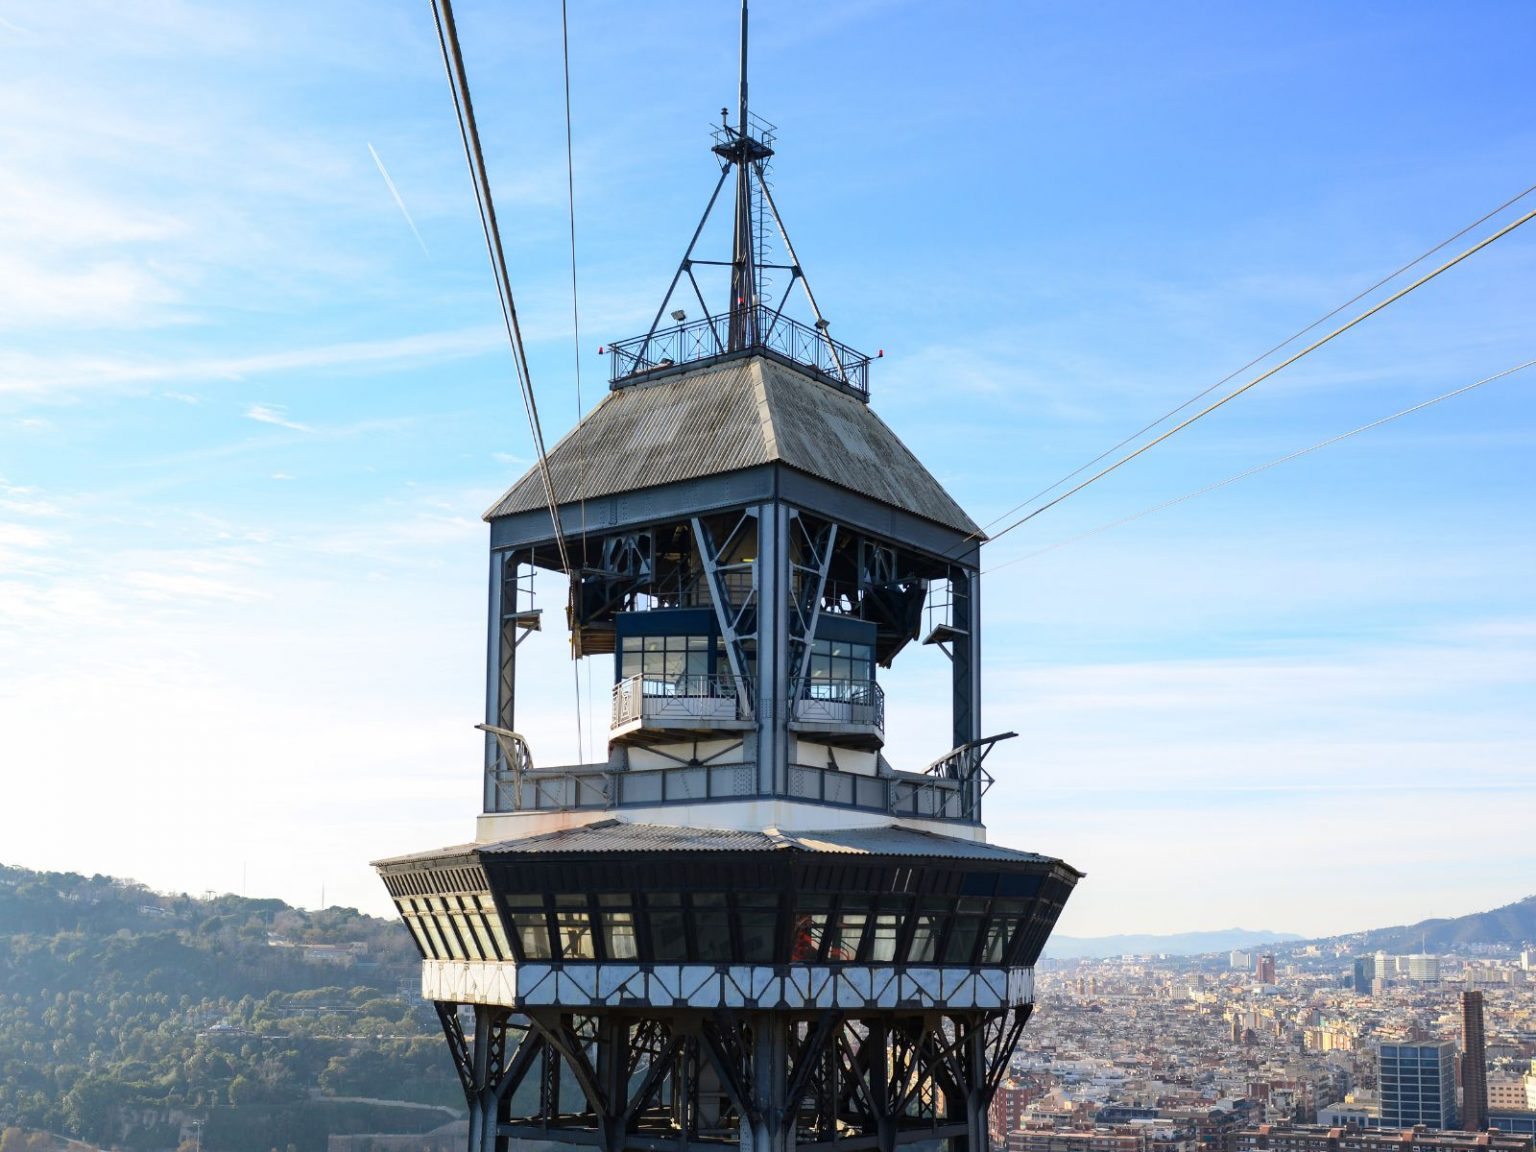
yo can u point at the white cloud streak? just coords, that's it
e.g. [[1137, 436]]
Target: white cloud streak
[[399, 203]]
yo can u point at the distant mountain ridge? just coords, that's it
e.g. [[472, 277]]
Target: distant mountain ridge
[[1509, 926], [1174, 944]]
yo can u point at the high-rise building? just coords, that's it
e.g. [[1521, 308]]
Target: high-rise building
[[1365, 975], [1422, 968], [1474, 1064], [1265, 968], [749, 921], [1418, 1084]]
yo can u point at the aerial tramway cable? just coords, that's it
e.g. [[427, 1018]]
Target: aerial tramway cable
[[1267, 373], [458, 82], [581, 486], [1247, 472], [1387, 279]]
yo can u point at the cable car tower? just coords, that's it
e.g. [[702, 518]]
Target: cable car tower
[[752, 924]]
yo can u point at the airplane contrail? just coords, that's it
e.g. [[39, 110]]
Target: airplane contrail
[[395, 192]]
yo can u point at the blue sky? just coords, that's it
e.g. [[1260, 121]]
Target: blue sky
[[248, 421]]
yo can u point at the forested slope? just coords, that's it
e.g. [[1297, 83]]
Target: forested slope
[[125, 1013]]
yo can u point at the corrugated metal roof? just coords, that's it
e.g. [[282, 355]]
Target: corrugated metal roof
[[886, 840], [727, 417]]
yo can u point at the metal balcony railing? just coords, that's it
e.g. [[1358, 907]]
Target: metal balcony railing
[[676, 701], [838, 702], [766, 328]]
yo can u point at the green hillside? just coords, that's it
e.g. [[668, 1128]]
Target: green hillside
[[125, 1014]]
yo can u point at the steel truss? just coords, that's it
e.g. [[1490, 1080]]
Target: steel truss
[[690, 1080]]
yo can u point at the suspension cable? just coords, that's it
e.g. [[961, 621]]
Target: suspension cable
[[1259, 359], [581, 487], [453, 61], [1243, 475], [1265, 375]]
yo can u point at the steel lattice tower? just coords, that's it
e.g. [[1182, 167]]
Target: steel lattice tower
[[746, 926]]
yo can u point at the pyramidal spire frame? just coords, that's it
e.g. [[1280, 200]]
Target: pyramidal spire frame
[[747, 322]]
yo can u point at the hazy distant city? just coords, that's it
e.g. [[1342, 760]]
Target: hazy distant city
[[1176, 1053]]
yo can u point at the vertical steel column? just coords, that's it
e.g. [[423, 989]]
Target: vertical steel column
[[965, 667], [485, 1074], [877, 1072], [613, 1058], [500, 674], [771, 575], [975, 1087], [771, 1125]]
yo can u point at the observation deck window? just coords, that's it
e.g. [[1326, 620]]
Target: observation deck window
[[759, 917], [964, 930], [618, 922], [668, 935], [927, 931], [886, 931], [839, 662], [573, 928], [665, 659], [751, 926], [712, 923], [530, 924]]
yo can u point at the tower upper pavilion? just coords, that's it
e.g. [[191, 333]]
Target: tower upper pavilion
[[754, 921]]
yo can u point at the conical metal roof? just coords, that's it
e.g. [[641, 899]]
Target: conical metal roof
[[727, 416]]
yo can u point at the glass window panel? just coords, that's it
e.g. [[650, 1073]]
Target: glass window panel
[[573, 928], [712, 924], [759, 925], [438, 950], [654, 643], [676, 664], [844, 944], [467, 941], [999, 932], [483, 937], [810, 927], [619, 934], [631, 665], [961, 944], [926, 932], [882, 948], [669, 941], [698, 643], [493, 922], [533, 934], [409, 917]]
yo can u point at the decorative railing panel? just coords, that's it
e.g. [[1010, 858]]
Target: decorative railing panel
[[676, 701], [768, 329], [837, 702]]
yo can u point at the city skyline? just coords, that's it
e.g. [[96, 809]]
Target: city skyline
[[253, 401]]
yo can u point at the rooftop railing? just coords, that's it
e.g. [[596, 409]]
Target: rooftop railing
[[764, 328]]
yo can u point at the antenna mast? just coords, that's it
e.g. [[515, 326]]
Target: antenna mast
[[744, 271]]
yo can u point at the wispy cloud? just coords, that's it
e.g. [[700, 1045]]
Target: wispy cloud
[[399, 203], [272, 414], [66, 376]]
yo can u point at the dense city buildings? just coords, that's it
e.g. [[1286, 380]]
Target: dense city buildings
[[1196, 1054]]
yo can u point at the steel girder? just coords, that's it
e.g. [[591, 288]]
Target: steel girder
[[686, 1080]]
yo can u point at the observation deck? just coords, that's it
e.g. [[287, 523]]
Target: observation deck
[[948, 791], [743, 331]]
